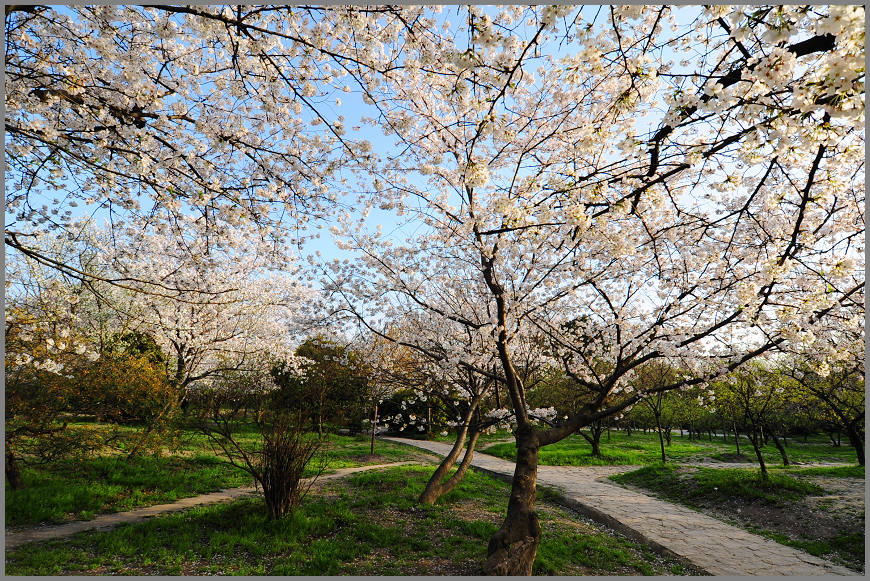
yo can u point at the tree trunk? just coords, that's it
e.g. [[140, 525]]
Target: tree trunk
[[857, 442], [13, 470], [737, 439], [661, 438], [513, 547], [755, 438], [374, 429], [779, 446], [435, 489], [319, 424], [594, 439]]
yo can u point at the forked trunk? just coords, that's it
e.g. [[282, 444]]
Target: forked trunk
[[513, 547], [594, 439], [435, 488]]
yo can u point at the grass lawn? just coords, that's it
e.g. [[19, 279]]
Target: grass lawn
[[794, 507], [367, 524], [79, 489], [643, 449]]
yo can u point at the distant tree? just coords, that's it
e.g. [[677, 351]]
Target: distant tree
[[648, 377], [333, 385]]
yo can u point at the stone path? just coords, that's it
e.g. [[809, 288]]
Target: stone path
[[105, 522], [709, 544]]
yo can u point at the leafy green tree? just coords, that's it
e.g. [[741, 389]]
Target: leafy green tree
[[333, 386], [837, 396]]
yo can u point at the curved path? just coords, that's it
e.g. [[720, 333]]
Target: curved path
[[709, 544], [105, 522]]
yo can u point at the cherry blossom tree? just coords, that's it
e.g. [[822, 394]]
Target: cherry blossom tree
[[631, 185], [829, 379], [628, 184], [229, 304], [154, 114]]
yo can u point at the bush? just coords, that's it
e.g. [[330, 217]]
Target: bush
[[280, 452]]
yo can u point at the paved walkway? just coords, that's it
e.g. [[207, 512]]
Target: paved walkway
[[105, 522], [709, 544]]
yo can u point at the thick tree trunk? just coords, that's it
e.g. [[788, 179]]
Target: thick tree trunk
[[857, 442], [13, 471], [779, 446], [513, 548], [435, 489]]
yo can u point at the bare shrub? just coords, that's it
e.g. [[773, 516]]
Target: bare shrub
[[242, 417]]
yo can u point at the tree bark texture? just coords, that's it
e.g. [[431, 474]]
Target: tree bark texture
[[513, 548], [857, 442]]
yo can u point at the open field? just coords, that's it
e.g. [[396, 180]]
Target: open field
[[79, 489], [643, 449]]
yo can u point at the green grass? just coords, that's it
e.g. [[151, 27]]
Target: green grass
[[351, 451], [779, 508], [367, 524], [643, 449], [848, 545], [639, 448], [855, 471], [718, 484], [81, 489]]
